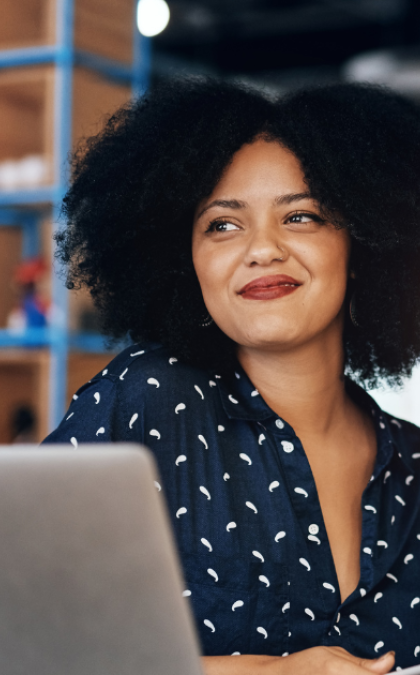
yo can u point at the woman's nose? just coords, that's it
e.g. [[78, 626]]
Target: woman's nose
[[265, 247]]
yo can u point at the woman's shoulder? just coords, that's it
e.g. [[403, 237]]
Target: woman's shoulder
[[407, 439], [142, 381], [142, 365]]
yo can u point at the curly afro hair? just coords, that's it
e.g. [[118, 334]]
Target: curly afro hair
[[136, 186]]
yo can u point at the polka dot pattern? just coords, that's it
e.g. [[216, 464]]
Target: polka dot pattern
[[246, 516]]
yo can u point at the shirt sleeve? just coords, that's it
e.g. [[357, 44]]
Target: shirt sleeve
[[91, 417]]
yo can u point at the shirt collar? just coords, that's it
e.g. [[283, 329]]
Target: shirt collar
[[242, 401]]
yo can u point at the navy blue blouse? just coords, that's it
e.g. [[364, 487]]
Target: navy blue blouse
[[246, 514]]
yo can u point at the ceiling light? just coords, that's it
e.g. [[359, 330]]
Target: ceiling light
[[152, 17]]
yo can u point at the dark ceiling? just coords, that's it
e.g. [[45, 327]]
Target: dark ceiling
[[280, 40]]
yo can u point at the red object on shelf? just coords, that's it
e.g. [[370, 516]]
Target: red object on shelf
[[30, 271]]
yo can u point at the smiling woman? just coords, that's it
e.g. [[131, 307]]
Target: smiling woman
[[261, 253], [242, 249]]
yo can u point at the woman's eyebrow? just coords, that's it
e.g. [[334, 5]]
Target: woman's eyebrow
[[237, 204], [292, 197], [225, 204]]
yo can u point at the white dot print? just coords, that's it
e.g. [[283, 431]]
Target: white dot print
[[310, 613], [251, 506], [263, 632], [328, 586], [287, 446], [258, 555], [203, 440], [205, 492], [245, 509], [198, 390], [301, 491], [305, 563], [213, 574], [279, 535], [134, 418]]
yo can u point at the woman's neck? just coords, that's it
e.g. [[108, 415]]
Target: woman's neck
[[304, 385]]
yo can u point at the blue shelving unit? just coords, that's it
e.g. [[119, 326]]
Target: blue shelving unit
[[26, 208]]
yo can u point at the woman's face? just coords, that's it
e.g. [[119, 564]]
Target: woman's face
[[272, 272]]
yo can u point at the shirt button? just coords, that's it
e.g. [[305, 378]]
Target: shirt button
[[279, 424], [313, 529]]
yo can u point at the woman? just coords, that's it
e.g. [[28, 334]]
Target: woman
[[257, 251]]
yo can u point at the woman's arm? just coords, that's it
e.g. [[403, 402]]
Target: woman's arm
[[316, 661]]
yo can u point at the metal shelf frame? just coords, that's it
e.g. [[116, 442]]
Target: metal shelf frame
[[26, 207]]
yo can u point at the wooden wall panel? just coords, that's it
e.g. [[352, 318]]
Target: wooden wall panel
[[24, 381], [82, 367], [26, 108], [10, 252], [94, 100], [105, 27], [26, 22]]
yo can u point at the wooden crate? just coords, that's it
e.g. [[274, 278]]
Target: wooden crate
[[94, 100], [27, 105], [10, 253], [82, 367], [24, 381], [26, 23], [103, 27]]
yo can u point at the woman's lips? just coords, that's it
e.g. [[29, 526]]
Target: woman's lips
[[269, 288]]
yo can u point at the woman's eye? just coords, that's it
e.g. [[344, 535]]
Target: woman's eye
[[221, 226], [304, 218]]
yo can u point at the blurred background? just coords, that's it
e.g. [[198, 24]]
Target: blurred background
[[65, 65]]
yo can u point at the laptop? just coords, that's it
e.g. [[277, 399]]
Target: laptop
[[90, 582]]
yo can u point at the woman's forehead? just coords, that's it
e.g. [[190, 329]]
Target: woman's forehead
[[258, 171]]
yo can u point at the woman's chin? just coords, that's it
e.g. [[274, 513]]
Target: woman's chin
[[269, 338]]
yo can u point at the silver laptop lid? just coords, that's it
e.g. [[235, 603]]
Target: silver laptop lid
[[89, 580]]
